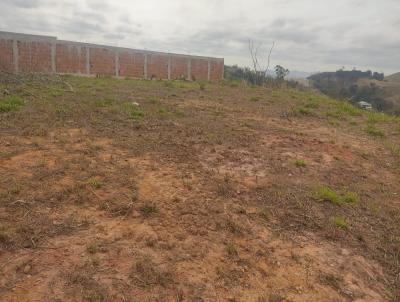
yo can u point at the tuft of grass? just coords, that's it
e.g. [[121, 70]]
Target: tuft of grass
[[304, 111], [339, 221], [15, 189], [264, 214], [162, 110], [350, 197], [133, 111], [231, 250], [5, 237], [94, 183], [148, 210], [202, 86], [342, 110], [379, 117], [254, 99], [147, 273], [374, 131], [179, 113], [325, 193], [92, 248], [300, 163], [153, 100], [11, 103]]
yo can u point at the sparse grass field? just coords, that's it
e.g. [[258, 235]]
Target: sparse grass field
[[132, 190]]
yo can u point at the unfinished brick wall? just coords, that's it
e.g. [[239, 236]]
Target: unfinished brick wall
[[199, 70], [216, 70], [179, 67], [131, 64], [101, 61], [34, 57], [6, 55], [71, 58], [29, 53], [157, 66]]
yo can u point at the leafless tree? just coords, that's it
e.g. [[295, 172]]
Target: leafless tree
[[260, 72]]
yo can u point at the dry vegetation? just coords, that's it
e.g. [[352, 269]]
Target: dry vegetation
[[129, 190]]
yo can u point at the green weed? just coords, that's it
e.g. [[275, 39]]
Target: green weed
[[374, 131], [339, 222], [325, 193], [300, 163], [11, 103]]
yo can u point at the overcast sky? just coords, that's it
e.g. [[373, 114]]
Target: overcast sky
[[310, 35]]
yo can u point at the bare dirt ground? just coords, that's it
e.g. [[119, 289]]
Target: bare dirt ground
[[128, 190]]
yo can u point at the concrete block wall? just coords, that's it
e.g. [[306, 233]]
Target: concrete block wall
[[21, 53]]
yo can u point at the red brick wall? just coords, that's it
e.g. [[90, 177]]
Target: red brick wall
[[6, 55], [131, 64], [34, 56], [157, 66], [216, 70], [179, 67], [39, 53], [70, 58], [102, 61], [199, 69]]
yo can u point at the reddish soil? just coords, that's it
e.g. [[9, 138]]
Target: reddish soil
[[194, 195]]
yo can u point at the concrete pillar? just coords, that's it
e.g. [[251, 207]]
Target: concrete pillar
[[79, 60], [169, 67], [53, 57], [117, 63], [209, 71], [145, 66], [87, 60], [223, 70], [189, 69], [15, 56]]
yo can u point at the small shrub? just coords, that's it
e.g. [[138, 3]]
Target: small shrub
[[254, 99], [300, 163], [202, 86], [339, 222], [11, 103]]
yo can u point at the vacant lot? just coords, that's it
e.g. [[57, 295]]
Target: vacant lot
[[126, 190]]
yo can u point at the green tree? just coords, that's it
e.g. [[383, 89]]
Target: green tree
[[281, 73]]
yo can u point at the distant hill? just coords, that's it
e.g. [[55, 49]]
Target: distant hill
[[393, 78], [356, 85]]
